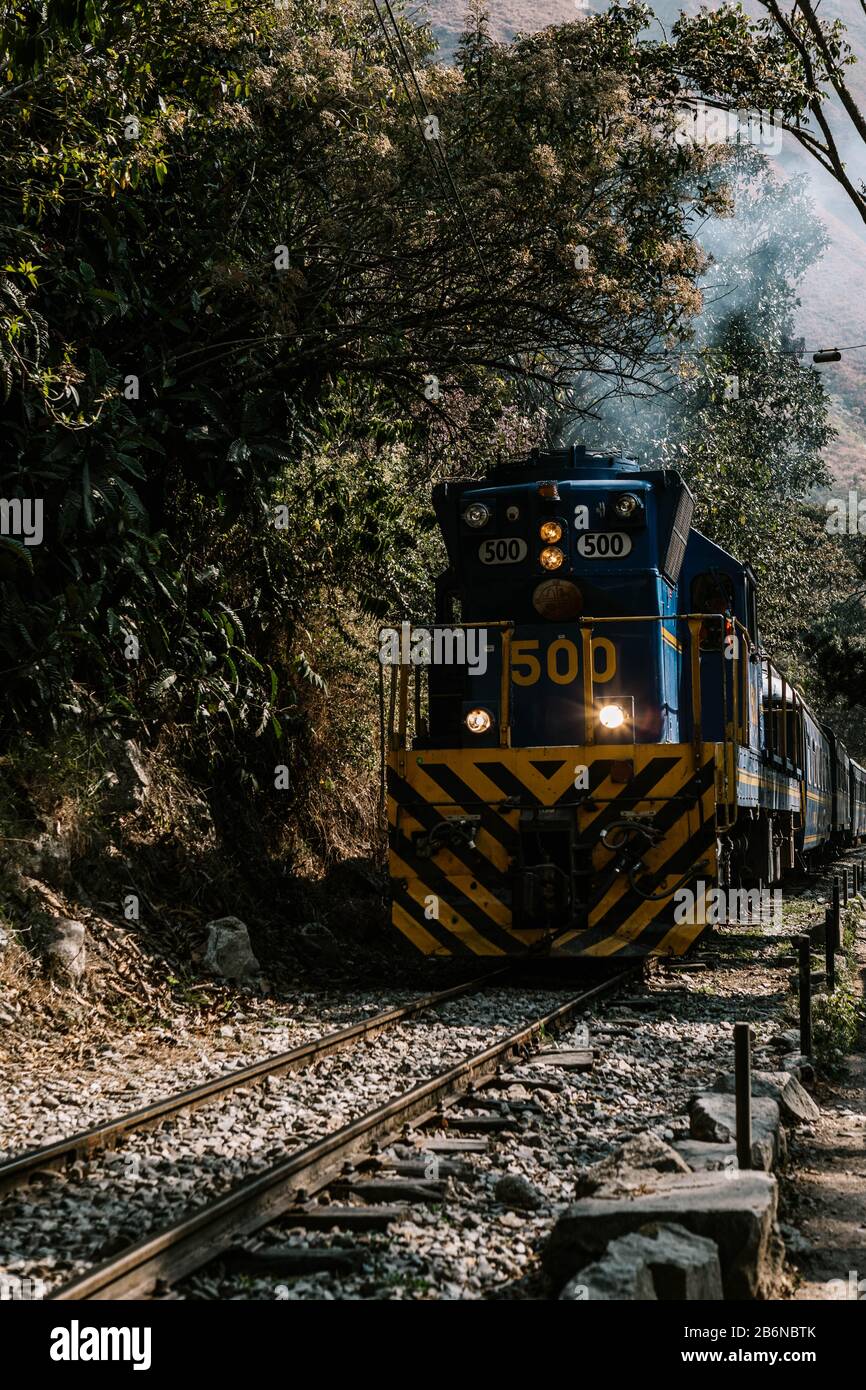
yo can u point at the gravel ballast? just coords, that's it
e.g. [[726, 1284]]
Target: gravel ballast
[[60, 1225]]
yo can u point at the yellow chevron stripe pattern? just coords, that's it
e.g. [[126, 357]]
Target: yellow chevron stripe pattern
[[455, 818]]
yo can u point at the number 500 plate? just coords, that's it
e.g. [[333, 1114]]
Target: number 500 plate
[[603, 545]]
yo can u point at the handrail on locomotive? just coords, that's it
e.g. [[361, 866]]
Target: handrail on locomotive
[[742, 653]]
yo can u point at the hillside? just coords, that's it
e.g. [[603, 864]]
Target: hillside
[[833, 294]]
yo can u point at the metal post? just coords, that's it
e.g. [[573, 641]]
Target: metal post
[[830, 953], [743, 1078], [837, 915], [505, 690], [805, 946], [587, 658], [697, 713], [845, 886]]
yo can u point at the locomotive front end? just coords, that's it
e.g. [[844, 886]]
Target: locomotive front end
[[548, 785]]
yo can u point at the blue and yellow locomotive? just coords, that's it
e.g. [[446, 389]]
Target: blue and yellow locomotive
[[587, 729]]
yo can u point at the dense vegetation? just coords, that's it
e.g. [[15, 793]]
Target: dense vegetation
[[247, 314]]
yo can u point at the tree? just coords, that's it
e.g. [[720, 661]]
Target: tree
[[740, 417], [792, 64], [238, 275]]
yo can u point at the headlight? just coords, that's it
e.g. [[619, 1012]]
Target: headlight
[[551, 557], [611, 716], [550, 531], [476, 514], [478, 721], [626, 504]]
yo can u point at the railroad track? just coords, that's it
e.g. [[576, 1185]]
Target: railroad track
[[312, 1181], [19, 1170], [152, 1266]]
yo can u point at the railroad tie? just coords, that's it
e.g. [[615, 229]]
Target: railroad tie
[[375, 1190]]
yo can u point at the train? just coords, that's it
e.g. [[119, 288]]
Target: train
[[586, 743]]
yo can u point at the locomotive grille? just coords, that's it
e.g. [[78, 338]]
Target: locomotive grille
[[679, 537]]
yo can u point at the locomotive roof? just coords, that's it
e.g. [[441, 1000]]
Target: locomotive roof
[[574, 461]]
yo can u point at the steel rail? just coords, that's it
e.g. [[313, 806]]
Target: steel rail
[[16, 1171], [177, 1251]]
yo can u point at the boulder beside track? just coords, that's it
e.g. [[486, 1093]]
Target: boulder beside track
[[736, 1210]]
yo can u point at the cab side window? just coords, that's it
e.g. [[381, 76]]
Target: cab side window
[[712, 592]]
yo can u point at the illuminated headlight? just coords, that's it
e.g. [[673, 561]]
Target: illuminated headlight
[[478, 721], [476, 514], [550, 531], [611, 716], [626, 504], [551, 557]]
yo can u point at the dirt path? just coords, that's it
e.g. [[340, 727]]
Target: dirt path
[[826, 1199]]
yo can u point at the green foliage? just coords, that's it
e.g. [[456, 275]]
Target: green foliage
[[227, 269], [739, 415], [795, 63], [836, 1022]]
